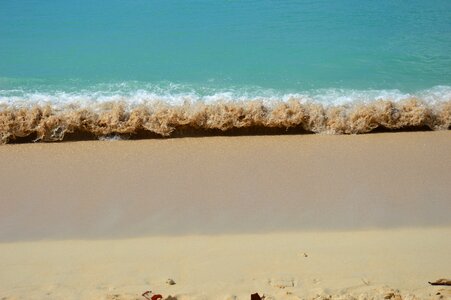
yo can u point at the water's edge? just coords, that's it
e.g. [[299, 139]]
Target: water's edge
[[161, 119]]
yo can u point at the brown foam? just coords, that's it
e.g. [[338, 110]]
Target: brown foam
[[44, 123]]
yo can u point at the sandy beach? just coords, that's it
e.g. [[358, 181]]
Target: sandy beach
[[225, 150], [287, 216]]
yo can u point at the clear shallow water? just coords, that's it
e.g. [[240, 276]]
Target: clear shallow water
[[67, 53]]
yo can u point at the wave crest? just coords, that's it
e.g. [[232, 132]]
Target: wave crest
[[49, 123]]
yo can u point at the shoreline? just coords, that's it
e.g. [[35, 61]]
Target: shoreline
[[191, 132], [160, 119]]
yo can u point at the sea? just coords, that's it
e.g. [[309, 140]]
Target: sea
[[113, 69]]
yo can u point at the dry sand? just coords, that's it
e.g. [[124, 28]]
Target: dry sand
[[354, 263], [227, 216]]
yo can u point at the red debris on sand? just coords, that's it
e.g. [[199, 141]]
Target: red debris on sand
[[146, 295]]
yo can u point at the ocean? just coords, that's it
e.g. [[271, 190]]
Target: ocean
[[116, 68]]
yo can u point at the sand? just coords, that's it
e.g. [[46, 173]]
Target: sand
[[357, 263], [291, 217]]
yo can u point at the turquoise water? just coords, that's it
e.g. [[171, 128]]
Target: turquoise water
[[333, 48]]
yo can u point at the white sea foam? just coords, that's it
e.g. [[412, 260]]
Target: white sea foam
[[125, 112], [173, 94]]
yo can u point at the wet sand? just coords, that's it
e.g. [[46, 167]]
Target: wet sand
[[227, 216]]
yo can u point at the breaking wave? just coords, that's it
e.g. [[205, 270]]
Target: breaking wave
[[51, 116]]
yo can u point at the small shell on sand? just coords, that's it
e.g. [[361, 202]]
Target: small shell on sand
[[170, 281]]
